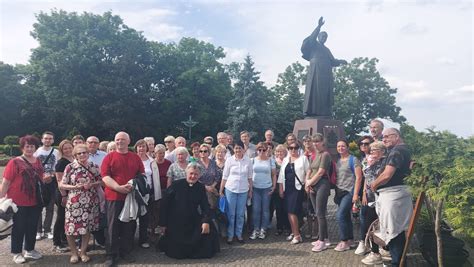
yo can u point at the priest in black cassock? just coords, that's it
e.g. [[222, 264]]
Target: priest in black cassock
[[186, 219]]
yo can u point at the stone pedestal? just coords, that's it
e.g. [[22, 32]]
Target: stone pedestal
[[332, 130]]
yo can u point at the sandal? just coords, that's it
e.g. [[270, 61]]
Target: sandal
[[85, 258], [74, 259]]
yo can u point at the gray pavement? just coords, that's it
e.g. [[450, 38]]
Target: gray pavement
[[273, 251]]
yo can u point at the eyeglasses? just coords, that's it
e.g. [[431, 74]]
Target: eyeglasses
[[387, 135], [375, 150], [209, 143], [293, 148], [364, 144], [203, 151], [261, 150], [81, 153]]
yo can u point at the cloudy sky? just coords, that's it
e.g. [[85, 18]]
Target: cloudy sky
[[424, 47]]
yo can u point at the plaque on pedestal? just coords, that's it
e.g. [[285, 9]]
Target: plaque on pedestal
[[332, 130]]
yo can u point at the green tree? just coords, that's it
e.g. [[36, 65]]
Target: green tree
[[11, 91], [287, 100], [93, 72], [446, 161], [11, 140], [248, 108], [362, 94], [191, 81]]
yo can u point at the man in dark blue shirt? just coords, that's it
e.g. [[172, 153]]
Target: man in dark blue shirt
[[394, 201]]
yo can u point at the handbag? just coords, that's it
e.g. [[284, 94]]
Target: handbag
[[42, 196], [222, 204], [339, 195]]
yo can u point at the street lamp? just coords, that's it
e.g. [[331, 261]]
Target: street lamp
[[190, 124]]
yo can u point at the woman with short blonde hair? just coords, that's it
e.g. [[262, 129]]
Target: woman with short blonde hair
[[177, 170]]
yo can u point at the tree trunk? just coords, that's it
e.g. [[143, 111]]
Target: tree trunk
[[439, 241]]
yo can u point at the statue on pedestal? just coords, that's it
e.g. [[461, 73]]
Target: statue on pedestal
[[319, 93]]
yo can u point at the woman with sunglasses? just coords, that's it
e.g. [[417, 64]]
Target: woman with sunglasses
[[81, 179], [237, 183], [209, 175], [371, 170], [364, 143], [264, 181], [291, 182]]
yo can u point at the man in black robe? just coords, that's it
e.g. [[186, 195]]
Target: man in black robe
[[319, 95], [186, 221]]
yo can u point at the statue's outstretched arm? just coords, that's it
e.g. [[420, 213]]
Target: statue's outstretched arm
[[316, 31]]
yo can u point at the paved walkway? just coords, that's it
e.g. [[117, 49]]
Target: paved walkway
[[273, 251]]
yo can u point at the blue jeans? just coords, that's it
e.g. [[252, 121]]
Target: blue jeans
[[367, 217], [261, 208], [236, 203], [396, 246], [343, 217]]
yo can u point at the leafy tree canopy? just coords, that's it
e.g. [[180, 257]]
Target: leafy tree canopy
[[362, 94]]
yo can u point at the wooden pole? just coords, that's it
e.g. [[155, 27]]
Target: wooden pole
[[413, 220]]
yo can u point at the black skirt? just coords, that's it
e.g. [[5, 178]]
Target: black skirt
[[293, 196]]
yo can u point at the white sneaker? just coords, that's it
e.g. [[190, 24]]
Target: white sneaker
[[372, 259], [262, 233], [254, 235], [289, 237], [327, 242], [49, 235], [33, 254], [361, 249], [297, 240], [385, 254], [18, 258], [39, 236]]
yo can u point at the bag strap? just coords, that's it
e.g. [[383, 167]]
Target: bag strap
[[93, 174], [30, 165], [351, 163], [49, 156], [296, 175]]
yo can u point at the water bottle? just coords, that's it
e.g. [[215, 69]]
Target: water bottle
[[249, 202]]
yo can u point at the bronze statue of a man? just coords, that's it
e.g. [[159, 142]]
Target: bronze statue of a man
[[319, 94]]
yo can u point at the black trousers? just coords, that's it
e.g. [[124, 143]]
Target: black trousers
[[277, 206], [49, 207], [143, 222], [24, 228], [58, 229], [120, 235]]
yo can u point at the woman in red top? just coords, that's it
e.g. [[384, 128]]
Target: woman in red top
[[19, 183]]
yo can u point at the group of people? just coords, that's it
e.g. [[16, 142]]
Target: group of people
[[190, 197]]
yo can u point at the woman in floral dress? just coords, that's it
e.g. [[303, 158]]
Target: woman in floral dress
[[81, 179]]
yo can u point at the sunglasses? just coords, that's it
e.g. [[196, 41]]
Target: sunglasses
[[293, 148], [261, 150], [203, 151], [364, 144], [81, 153]]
